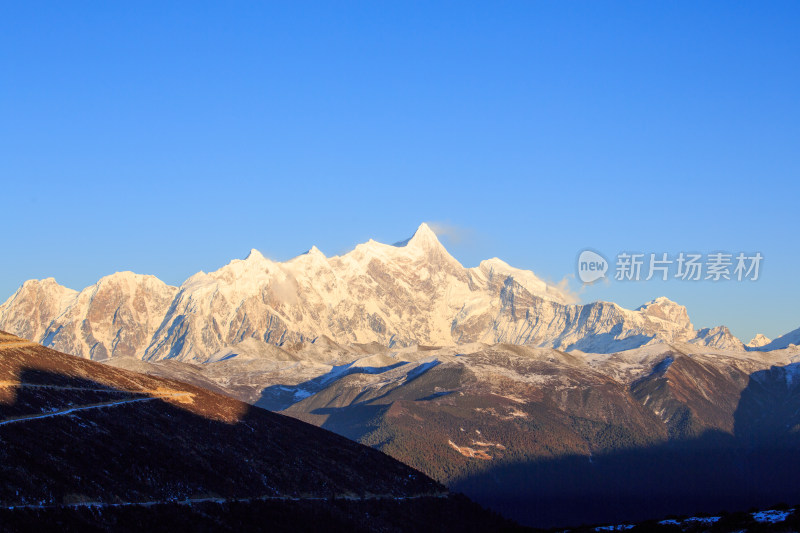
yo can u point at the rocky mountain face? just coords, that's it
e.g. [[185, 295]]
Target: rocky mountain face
[[116, 316], [89, 447], [410, 293]]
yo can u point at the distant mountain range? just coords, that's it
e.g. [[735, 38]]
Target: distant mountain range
[[410, 293]]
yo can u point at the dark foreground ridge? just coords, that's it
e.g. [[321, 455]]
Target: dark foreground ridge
[[86, 447], [455, 513]]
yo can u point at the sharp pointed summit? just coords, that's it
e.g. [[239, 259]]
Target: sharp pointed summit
[[424, 237], [254, 255]]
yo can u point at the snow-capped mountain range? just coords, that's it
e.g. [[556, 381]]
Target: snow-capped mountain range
[[413, 292]]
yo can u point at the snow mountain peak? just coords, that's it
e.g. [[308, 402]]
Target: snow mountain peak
[[758, 341], [413, 292], [254, 255], [315, 251], [423, 238], [664, 308]]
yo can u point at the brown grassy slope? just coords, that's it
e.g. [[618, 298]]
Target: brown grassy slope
[[177, 441]]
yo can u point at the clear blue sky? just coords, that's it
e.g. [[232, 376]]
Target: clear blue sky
[[167, 139]]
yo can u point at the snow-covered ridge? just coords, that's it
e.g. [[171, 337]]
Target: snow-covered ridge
[[412, 292], [784, 341]]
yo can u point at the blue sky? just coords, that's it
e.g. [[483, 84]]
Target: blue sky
[[167, 139]]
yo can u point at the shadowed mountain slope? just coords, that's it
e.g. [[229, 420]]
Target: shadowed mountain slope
[[531, 431], [75, 434], [517, 427]]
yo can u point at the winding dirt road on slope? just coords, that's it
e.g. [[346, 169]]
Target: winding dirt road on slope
[[71, 410], [190, 501], [154, 395]]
